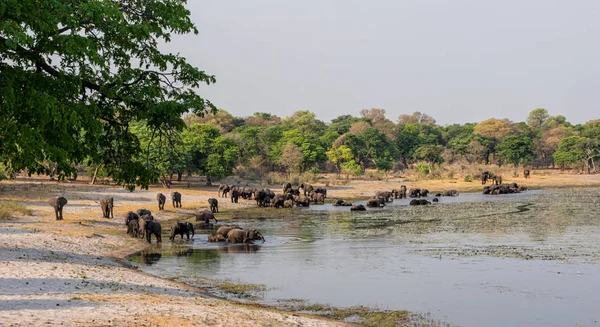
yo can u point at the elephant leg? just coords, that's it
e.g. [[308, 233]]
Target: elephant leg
[[148, 237], [158, 238]]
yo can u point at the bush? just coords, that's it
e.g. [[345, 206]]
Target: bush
[[423, 169], [468, 178]]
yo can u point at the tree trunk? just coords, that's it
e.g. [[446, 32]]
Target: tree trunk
[[208, 181], [179, 176], [95, 175], [163, 181]]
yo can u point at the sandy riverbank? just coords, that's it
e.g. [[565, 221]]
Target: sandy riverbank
[[68, 273]]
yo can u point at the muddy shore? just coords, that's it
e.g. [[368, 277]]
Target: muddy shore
[[71, 272]]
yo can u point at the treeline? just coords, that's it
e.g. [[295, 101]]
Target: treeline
[[216, 144]]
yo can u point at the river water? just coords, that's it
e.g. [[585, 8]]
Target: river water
[[528, 259]]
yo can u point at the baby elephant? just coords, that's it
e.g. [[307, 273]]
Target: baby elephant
[[133, 228], [58, 203], [152, 227], [181, 228], [176, 197], [244, 236], [107, 205], [214, 205], [161, 198]]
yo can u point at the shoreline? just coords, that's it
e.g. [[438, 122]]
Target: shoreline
[[76, 271]]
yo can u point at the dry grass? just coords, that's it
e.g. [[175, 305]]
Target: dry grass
[[9, 208]]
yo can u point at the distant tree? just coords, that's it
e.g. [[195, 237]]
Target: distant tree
[[516, 149], [222, 119], [359, 127], [375, 115], [429, 153], [416, 118], [494, 128], [262, 119], [537, 118], [578, 150], [291, 158], [340, 155], [554, 122], [305, 122]]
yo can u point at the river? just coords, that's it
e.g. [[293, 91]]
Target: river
[[528, 259]]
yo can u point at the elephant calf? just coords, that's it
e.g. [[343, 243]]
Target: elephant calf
[[244, 235], [288, 204], [161, 198], [133, 228], [153, 227], [176, 198], [58, 203], [206, 216], [179, 228], [214, 205], [107, 205]]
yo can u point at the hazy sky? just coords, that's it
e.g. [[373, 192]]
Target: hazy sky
[[456, 60]]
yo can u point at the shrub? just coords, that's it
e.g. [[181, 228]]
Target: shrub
[[468, 178], [423, 169]]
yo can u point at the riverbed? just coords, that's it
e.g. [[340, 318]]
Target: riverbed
[[520, 260]]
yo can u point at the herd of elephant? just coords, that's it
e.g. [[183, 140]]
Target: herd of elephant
[[300, 196], [380, 199]]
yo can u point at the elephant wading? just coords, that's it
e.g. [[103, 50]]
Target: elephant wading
[[377, 202], [450, 193], [214, 205], [58, 204], [152, 227], [417, 202], [107, 205], [402, 194], [358, 207], [306, 188], [161, 199], [176, 198], [179, 228], [205, 217], [341, 203], [244, 235]]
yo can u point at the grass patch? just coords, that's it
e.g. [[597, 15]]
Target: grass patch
[[241, 290], [9, 208]]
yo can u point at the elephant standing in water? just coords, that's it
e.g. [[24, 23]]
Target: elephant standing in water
[[58, 203], [161, 198], [179, 228], [214, 205], [107, 205], [176, 197], [243, 235]]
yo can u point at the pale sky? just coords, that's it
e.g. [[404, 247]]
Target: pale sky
[[456, 60]]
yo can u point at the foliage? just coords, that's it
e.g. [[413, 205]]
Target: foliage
[[76, 77], [516, 149], [208, 152]]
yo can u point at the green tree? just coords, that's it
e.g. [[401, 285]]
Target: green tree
[[339, 156], [429, 153], [516, 149], [209, 153], [292, 158], [76, 75], [578, 150], [537, 118]]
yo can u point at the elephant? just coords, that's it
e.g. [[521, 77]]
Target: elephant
[[152, 227], [387, 196], [247, 193], [133, 228], [278, 201], [450, 193], [161, 198], [269, 193], [107, 205], [341, 203], [306, 188], [497, 180], [302, 201], [243, 236], [436, 200], [181, 228], [260, 198], [415, 193], [321, 190], [376, 202], [294, 191], [358, 207], [318, 197], [176, 198], [424, 192], [223, 230], [205, 216], [526, 173], [288, 204], [131, 216], [216, 238], [286, 187], [484, 177], [235, 195], [143, 212], [223, 190], [58, 204], [214, 205], [416, 202], [403, 191], [503, 189]]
